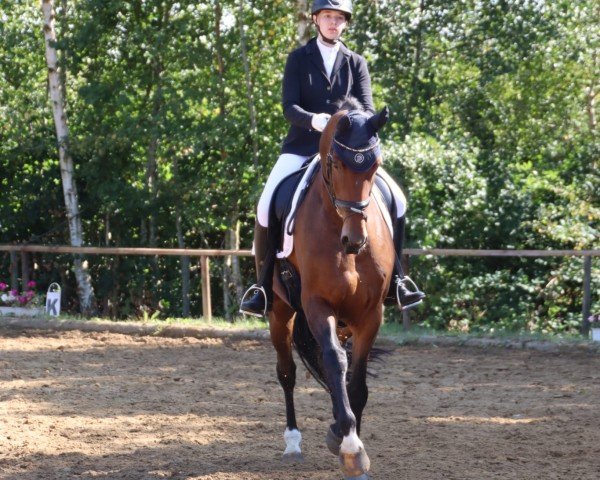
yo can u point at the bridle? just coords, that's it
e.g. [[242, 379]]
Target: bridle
[[355, 208]]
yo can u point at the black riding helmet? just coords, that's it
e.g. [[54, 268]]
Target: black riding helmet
[[344, 6]]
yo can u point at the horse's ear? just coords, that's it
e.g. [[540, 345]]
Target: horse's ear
[[380, 119]]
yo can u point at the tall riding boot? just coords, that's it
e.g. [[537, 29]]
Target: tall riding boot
[[261, 293], [405, 297]]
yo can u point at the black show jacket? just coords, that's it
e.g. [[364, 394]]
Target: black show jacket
[[307, 90]]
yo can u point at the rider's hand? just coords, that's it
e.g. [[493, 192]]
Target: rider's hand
[[319, 121]]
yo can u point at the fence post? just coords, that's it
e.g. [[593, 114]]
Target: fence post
[[24, 271], [205, 281], [587, 294], [14, 271]]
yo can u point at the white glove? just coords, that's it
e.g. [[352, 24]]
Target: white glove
[[319, 121]]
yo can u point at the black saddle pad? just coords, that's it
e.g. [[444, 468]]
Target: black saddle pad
[[386, 195], [281, 203], [283, 195]]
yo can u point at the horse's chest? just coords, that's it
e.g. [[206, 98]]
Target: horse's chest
[[361, 280], [351, 281]]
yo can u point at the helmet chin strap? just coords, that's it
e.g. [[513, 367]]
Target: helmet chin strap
[[324, 39]]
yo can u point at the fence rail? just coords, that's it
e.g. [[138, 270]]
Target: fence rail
[[205, 254], [191, 252]]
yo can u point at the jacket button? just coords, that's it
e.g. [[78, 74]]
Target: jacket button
[[327, 101], [328, 89]]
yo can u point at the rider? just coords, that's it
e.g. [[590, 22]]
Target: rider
[[317, 77]]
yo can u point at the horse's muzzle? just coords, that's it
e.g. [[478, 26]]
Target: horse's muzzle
[[353, 247]]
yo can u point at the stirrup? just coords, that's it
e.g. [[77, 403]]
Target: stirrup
[[254, 289], [402, 281]]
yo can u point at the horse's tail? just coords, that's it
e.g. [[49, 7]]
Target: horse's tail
[[310, 353], [308, 349]]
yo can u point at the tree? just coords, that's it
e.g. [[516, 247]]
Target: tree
[[175, 119], [84, 285]]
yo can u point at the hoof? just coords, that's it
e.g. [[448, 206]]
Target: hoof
[[364, 476], [294, 457], [355, 465], [333, 442]]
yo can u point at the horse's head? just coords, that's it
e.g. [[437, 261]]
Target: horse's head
[[350, 156]]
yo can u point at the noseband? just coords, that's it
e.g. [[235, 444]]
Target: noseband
[[356, 208]]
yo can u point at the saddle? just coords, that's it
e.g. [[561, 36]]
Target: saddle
[[282, 201]]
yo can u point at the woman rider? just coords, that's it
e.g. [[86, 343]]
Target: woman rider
[[317, 78]]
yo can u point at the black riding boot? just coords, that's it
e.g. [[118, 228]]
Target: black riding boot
[[399, 291], [261, 293]]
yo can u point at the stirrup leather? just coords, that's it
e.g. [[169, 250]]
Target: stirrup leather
[[404, 280], [252, 291]]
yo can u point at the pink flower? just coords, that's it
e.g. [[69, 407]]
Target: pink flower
[[13, 293], [31, 284], [3, 286], [22, 300]]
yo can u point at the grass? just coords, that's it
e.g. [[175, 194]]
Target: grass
[[391, 330], [403, 336], [241, 323]]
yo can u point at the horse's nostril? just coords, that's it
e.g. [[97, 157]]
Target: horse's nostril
[[345, 240]]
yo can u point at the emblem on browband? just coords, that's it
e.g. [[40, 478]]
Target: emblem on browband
[[359, 158]]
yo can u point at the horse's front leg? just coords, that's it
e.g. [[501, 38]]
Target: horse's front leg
[[280, 326], [353, 458], [357, 386], [362, 344]]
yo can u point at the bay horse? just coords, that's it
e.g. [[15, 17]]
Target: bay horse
[[343, 255]]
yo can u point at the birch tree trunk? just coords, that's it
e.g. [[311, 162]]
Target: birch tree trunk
[[232, 275], [85, 291], [185, 267], [185, 260], [236, 273], [304, 21], [591, 92], [411, 104], [249, 90]]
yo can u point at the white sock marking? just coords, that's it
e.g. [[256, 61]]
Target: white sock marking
[[351, 443], [292, 441]]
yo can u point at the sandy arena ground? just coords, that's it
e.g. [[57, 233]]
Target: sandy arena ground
[[99, 405]]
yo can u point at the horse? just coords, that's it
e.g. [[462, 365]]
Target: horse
[[343, 255]]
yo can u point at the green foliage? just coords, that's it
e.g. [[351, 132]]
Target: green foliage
[[493, 136]]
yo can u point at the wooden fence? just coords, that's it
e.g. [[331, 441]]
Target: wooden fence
[[205, 254]]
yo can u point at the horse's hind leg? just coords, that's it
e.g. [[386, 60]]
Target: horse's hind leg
[[281, 324]]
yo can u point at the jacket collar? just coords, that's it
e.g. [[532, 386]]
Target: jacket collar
[[312, 50]]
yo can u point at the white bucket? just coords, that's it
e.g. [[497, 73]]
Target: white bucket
[[53, 300], [596, 334]]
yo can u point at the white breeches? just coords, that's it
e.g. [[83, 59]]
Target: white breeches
[[288, 163]]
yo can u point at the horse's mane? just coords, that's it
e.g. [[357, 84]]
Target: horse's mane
[[349, 103], [329, 132]]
